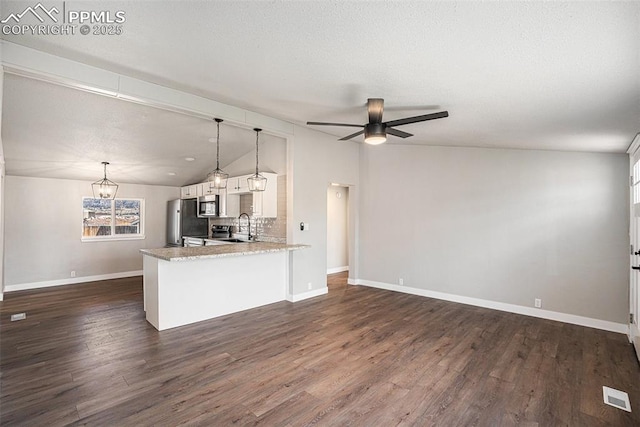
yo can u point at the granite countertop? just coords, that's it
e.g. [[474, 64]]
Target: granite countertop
[[218, 251]]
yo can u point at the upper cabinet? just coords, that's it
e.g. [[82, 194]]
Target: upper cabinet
[[258, 204], [198, 190], [238, 184], [207, 189], [189, 191]]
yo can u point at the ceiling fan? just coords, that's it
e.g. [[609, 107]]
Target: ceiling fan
[[375, 132]]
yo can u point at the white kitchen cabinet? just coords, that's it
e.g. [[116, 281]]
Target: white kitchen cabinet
[[263, 203], [238, 184], [243, 184], [189, 191], [207, 189], [232, 185]]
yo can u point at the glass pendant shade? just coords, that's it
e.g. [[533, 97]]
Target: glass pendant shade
[[218, 178], [104, 188], [256, 181]]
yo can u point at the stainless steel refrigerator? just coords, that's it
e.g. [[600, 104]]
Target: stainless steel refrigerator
[[183, 221]]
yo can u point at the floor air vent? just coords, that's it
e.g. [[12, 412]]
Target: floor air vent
[[616, 398]]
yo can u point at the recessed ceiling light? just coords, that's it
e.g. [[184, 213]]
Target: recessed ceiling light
[[189, 159], [171, 173]]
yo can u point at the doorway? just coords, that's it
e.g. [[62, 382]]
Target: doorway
[[337, 234]]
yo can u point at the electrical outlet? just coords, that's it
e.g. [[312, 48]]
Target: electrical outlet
[[309, 286], [401, 281], [19, 316], [73, 273], [538, 302]]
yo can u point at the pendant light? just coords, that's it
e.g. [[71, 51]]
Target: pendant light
[[256, 181], [217, 178], [104, 188]]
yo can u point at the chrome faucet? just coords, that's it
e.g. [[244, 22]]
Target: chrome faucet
[[248, 223]]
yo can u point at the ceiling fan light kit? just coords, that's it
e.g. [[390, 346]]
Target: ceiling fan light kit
[[104, 188], [218, 178], [375, 132], [257, 182]]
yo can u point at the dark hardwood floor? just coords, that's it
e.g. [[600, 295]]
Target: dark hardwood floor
[[356, 356]]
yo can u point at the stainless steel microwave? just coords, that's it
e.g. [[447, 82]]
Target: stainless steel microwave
[[208, 206]]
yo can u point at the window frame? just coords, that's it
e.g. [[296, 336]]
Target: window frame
[[115, 237]]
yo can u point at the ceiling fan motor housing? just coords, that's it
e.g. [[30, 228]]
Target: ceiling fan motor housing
[[375, 133]]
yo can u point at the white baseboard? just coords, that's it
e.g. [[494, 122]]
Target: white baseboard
[[495, 305], [307, 295], [351, 281], [70, 281], [337, 269]]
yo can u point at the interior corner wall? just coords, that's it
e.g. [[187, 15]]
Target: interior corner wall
[[337, 229], [500, 225], [44, 226], [318, 159]]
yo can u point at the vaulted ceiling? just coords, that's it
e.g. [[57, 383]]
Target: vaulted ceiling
[[57, 132], [525, 75]]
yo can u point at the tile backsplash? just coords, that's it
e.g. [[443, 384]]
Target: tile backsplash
[[267, 229]]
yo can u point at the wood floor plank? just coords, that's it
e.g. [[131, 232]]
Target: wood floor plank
[[85, 355]]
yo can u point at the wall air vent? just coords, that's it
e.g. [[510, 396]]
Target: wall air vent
[[616, 398]]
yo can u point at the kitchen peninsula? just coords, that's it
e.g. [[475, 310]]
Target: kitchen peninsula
[[183, 285]]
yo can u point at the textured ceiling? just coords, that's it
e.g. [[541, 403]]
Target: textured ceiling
[[529, 75], [58, 132]]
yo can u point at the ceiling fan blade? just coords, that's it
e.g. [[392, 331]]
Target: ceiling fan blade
[[416, 119], [334, 124], [396, 132], [352, 135], [375, 106]]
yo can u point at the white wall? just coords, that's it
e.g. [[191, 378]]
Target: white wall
[[2, 169], [337, 229], [499, 225], [44, 225], [317, 159], [273, 158]]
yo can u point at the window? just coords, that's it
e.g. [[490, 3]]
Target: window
[[107, 219]]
